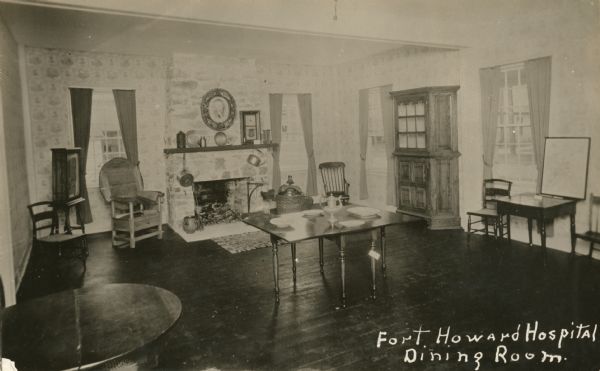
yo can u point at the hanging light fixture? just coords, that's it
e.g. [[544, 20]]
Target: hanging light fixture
[[335, 10]]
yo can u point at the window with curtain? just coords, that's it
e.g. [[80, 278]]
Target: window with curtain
[[514, 157], [106, 141], [293, 159], [376, 151]]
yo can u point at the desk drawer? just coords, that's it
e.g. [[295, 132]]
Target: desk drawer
[[518, 210]]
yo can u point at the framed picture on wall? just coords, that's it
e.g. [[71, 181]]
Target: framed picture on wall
[[250, 124]]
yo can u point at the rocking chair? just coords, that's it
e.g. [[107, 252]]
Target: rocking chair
[[334, 180], [136, 214]]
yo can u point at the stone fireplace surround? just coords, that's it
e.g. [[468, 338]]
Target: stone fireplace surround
[[208, 166]]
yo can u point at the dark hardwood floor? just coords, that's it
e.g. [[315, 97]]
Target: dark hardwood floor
[[435, 279]]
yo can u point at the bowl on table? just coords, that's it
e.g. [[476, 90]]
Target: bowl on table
[[280, 222]]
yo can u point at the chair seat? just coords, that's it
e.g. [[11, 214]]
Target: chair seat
[[60, 238], [589, 236], [484, 212], [148, 219]]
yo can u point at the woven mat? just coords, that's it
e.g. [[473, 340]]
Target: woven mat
[[237, 243]]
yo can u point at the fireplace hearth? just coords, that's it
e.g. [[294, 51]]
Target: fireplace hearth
[[218, 201]]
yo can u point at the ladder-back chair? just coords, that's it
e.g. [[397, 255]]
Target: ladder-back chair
[[488, 215], [47, 234], [592, 235]]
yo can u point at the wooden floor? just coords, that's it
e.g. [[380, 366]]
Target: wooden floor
[[435, 279]]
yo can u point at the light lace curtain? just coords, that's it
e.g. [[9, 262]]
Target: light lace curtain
[[275, 108], [387, 115], [491, 83], [363, 134], [538, 74], [305, 109]]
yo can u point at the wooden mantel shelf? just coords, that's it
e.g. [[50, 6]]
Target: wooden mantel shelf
[[238, 147]]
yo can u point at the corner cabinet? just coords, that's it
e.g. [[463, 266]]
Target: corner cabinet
[[427, 154]]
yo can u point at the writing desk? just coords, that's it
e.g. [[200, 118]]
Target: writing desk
[[542, 209]]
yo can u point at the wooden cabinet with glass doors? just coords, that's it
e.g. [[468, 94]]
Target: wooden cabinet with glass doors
[[427, 154]]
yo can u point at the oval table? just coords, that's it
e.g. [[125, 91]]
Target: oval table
[[82, 328]]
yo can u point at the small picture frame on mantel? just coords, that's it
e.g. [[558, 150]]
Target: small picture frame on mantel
[[250, 125]]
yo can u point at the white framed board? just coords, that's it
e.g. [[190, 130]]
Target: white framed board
[[565, 168]]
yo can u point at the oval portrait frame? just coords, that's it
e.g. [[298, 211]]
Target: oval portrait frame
[[210, 116]]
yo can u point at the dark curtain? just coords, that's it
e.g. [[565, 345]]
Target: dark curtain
[[491, 83], [363, 134], [125, 102], [81, 110], [305, 108], [276, 107], [538, 73]]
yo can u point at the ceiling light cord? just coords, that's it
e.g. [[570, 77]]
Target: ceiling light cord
[[335, 10]]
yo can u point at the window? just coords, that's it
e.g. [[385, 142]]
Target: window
[[513, 155], [292, 160], [106, 142]]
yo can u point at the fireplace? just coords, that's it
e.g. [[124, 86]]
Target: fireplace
[[207, 165], [219, 201]]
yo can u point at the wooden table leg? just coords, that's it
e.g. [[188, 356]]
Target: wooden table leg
[[529, 228], [542, 222], [343, 268], [293, 246], [382, 245], [373, 280], [274, 243], [321, 253], [573, 238]]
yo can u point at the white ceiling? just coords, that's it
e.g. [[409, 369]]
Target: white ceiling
[[59, 27], [289, 31]]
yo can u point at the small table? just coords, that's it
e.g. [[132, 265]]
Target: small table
[[542, 209], [305, 228], [83, 328]]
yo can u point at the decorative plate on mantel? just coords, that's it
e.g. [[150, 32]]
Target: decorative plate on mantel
[[218, 109]]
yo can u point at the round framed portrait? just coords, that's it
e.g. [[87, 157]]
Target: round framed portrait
[[218, 109]]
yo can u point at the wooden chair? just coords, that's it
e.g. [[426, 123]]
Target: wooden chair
[[334, 179], [487, 214], [46, 232], [136, 214], [592, 235]]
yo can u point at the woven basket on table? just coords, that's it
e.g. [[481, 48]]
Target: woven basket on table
[[291, 203]]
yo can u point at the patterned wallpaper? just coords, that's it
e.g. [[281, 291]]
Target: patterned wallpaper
[[50, 73], [169, 93]]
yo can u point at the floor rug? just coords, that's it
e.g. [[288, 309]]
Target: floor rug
[[210, 232], [244, 241]]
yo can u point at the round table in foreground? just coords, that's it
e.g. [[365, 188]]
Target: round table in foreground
[[86, 327]]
